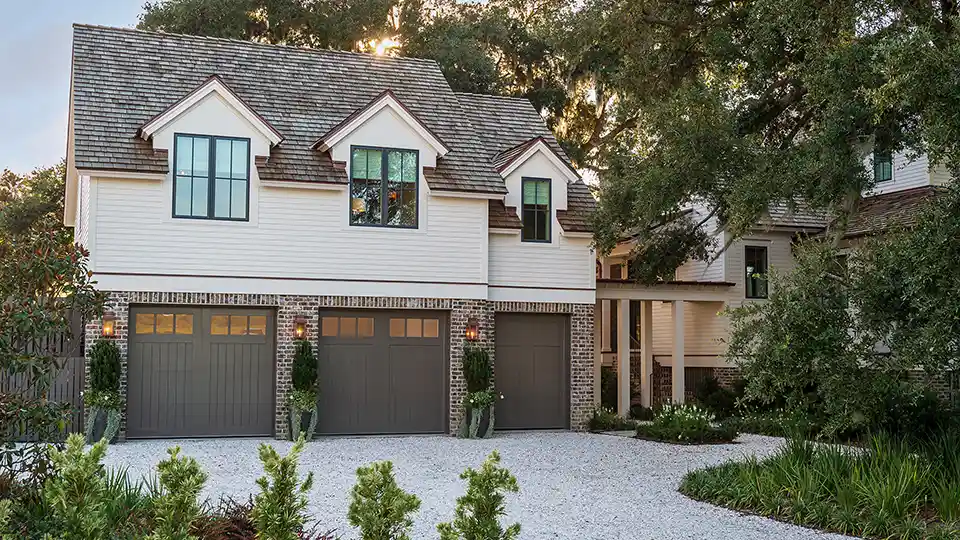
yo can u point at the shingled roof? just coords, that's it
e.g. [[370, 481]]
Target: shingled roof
[[122, 78], [878, 213]]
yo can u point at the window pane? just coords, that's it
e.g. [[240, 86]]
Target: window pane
[[145, 323], [541, 221], [410, 167], [365, 327], [219, 325], [348, 327], [414, 327], [201, 156], [258, 325], [374, 164], [431, 328], [358, 163], [529, 224], [365, 202], [223, 158], [329, 326], [394, 166], [398, 327], [182, 204], [238, 325], [184, 152], [164, 323], [536, 192], [240, 159], [184, 323], [199, 197], [221, 196], [238, 199], [394, 202]]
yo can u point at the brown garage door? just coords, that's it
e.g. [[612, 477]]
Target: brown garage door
[[200, 372], [532, 371], [382, 372]]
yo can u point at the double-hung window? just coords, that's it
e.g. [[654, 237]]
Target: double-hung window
[[882, 166], [755, 262], [212, 179], [383, 187], [536, 209]]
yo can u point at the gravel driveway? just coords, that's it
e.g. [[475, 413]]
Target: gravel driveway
[[573, 485]]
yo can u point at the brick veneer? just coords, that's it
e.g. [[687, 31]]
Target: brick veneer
[[289, 307]]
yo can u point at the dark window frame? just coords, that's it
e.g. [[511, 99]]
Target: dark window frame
[[549, 224], [211, 177], [385, 150], [761, 285], [882, 157]]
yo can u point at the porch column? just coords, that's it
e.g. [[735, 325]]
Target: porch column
[[598, 323], [677, 372], [646, 353], [623, 359], [607, 311]]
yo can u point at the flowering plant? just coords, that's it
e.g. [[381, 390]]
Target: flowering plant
[[482, 399]]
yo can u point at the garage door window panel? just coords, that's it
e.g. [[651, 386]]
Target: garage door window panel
[[144, 323]]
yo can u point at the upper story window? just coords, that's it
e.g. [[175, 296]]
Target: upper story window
[[212, 179], [755, 262], [882, 166], [383, 187], [536, 209]]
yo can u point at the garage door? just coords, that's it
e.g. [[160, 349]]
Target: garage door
[[382, 372], [532, 371], [200, 372]]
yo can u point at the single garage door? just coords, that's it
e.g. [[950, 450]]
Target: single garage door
[[382, 372], [532, 371], [200, 372]]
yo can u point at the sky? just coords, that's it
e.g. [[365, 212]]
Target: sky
[[35, 37]]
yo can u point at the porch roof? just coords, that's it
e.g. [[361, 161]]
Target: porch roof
[[690, 291]]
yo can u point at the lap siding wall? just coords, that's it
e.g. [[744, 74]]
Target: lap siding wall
[[289, 307]]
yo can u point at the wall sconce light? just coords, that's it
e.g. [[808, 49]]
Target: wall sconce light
[[300, 328], [473, 329], [108, 327]]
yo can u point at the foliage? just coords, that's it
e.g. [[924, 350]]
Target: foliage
[[103, 399], [686, 424], [379, 507], [181, 481], [304, 373], [478, 512], [75, 494], [482, 399], [477, 369], [778, 423], [639, 412], [605, 419], [717, 399], [279, 508], [104, 357], [890, 489], [303, 400], [608, 387]]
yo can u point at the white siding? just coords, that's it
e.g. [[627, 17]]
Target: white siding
[[712, 270], [779, 257], [907, 174], [82, 229]]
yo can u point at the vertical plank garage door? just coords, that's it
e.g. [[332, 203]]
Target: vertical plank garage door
[[200, 372], [531, 367], [382, 372]]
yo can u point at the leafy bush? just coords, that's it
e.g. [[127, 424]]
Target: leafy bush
[[478, 512], [477, 370], [608, 387], [639, 412], [604, 419], [379, 507], [279, 510], [104, 357], [176, 508], [889, 489], [778, 424], [304, 372], [74, 495], [686, 424], [714, 397]]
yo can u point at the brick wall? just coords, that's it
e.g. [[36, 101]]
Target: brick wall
[[289, 307]]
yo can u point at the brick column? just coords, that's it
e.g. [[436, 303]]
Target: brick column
[[118, 305], [289, 309], [581, 365], [461, 312]]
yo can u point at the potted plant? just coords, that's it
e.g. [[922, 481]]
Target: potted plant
[[478, 404], [103, 399], [303, 397]]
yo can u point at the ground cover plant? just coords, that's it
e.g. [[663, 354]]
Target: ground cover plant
[[891, 488], [606, 419], [686, 424]]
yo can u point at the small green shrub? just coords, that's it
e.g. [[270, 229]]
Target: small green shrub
[[304, 371], [604, 419], [104, 357], [279, 510], [686, 424], [478, 512], [639, 412], [717, 399], [477, 370], [75, 493], [176, 508], [378, 507], [778, 423], [608, 387]]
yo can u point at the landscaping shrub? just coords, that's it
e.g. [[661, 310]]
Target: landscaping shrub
[[304, 372], [608, 387], [176, 507], [378, 507], [604, 419], [777, 423], [279, 510], [104, 357], [889, 489], [478, 404], [303, 396], [478, 512], [74, 494], [717, 399], [639, 412], [477, 369], [686, 424]]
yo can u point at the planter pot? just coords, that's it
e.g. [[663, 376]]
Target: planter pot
[[477, 423], [102, 424], [302, 421]]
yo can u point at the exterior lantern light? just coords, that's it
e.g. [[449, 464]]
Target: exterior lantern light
[[109, 327], [300, 328], [473, 329]]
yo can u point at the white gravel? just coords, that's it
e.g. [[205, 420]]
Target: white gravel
[[573, 485]]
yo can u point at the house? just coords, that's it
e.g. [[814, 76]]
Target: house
[[237, 196], [680, 323]]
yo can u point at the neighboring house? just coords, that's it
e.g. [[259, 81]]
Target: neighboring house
[[702, 291], [235, 195]]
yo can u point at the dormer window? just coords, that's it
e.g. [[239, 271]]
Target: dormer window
[[536, 209], [212, 177], [383, 187]]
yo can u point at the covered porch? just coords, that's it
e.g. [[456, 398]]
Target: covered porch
[[625, 324]]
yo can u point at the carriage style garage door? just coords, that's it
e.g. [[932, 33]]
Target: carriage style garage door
[[200, 372], [382, 372], [531, 366]]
